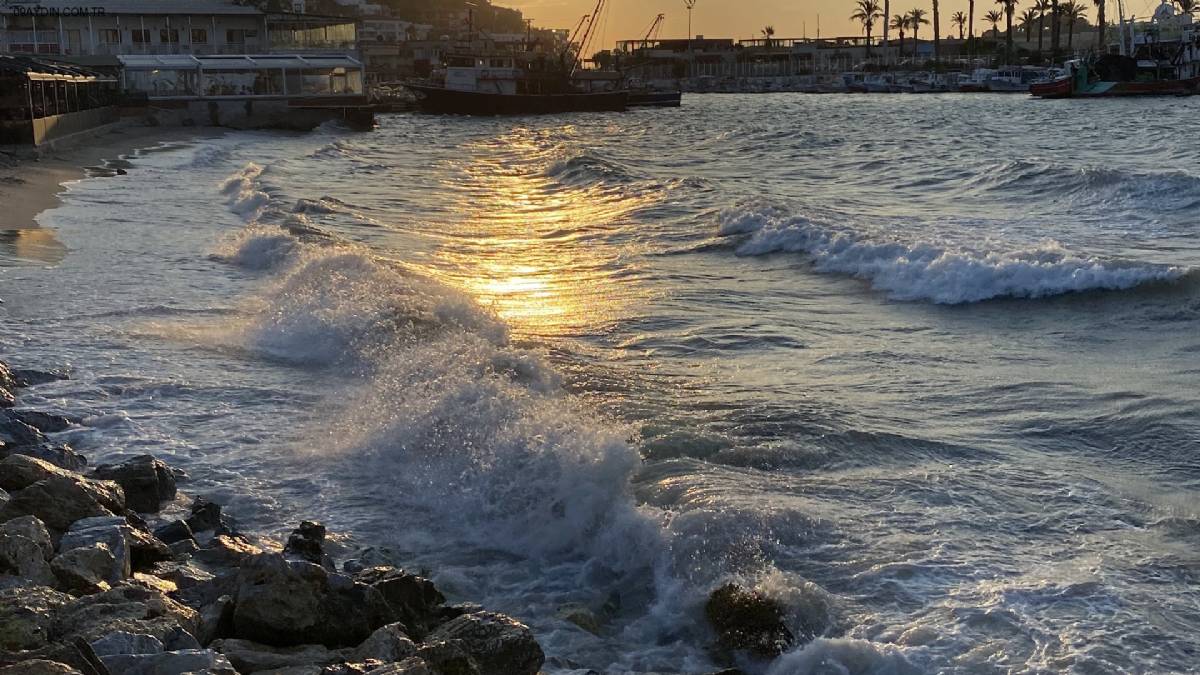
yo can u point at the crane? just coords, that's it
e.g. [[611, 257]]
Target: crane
[[588, 34], [652, 34]]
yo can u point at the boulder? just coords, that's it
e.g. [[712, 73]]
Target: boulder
[[32, 378], [226, 550], [112, 531], [748, 620], [47, 423], [306, 541], [448, 658], [146, 550], [4, 497], [205, 515], [412, 666], [216, 620], [122, 642], [15, 433], [147, 482], [130, 608], [7, 400], [86, 569], [26, 616], [191, 661], [60, 455], [39, 667], [182, 574], [411, 600], [387, 643], [18, 472], [25, 548], [498, 643], [61, 500], [176, 530], [284, 603], [251, 657]]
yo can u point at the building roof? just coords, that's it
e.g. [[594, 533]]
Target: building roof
[[39, 69], [249, 62], [205, 7]]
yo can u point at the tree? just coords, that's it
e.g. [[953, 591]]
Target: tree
[[1009, 6], [1185, 6], [916, 17], [971, 18], [1072, 12], [900, 22], [959, 19], [994, 17], [1055, 29], [1101, 46], [937, 34], [1029, 19], [768, 33], [1042, 7], [866, 12]]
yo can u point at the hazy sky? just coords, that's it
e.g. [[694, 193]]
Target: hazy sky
[[629, 19]]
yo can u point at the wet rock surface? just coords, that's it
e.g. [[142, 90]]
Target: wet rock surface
[[748, 620], [89, 586]]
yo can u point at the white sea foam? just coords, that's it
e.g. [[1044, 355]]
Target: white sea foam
[[244, 193], [844, 657], [940, 273]]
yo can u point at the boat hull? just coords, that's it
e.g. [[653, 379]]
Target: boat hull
[[1066, 88], [448, 101], [655, 99]]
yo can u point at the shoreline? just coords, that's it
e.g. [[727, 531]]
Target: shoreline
[[29, 186]]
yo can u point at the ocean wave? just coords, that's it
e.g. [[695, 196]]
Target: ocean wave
[[244, 193], [1102, 186], [939, 273], [589, 168], [844, 657]]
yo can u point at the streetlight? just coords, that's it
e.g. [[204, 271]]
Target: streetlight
[[691, 59]]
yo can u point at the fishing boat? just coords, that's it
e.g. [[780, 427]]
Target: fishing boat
[[1156, 58], [487, 81]]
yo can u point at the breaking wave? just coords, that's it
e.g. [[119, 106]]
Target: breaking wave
[[936, 273], [244, 192]]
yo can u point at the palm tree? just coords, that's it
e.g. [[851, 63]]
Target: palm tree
[[768, 32], [866, 12], [1072, 12], [916, 17], [994, 17], [1055, 29], [887, 9], [1042, 6], [1009, 6], [1029, 19], [900, 22], [959, 19], [1101, 46], [937, 34], [1186, 6], [971, 18]]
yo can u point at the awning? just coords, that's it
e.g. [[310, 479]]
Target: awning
[[245, 62]]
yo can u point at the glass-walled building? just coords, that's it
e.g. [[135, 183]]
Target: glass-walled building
[[223, 77]]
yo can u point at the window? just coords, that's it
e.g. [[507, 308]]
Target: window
[[140, 36], [235, 36], [199, 36], [109, 36], [169, 36]]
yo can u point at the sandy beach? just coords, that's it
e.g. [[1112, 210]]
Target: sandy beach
[[31, 186]]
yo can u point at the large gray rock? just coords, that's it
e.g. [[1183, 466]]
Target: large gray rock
[[147, 482], [18, 472], [130, 608], [86, 569], [60, 455], [61, 500], [121, 642], [448, 658], [286, 603], [42, 421], [498, 643], [387, 643], [252, 657], [226, 550], [146, 550], [15, 433], [31, 378], [39, 667], [748, 620], [412, 666], [25, 548], [112, 531], [4, 497], [189, 661], [26, 616], [411, 600]]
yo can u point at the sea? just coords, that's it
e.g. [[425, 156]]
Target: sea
[[922, 368]]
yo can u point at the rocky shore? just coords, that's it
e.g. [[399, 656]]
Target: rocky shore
[[114, 570]]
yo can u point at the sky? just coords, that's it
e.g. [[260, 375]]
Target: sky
[[629, 19]]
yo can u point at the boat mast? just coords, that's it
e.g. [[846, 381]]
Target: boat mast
[[587, 36]]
